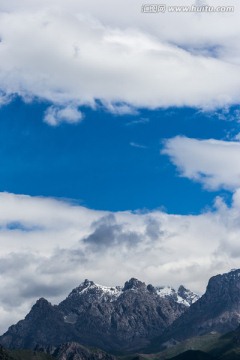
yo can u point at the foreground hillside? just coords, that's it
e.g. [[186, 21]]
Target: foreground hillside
[[23, 355], [212, 345], [206, 347]]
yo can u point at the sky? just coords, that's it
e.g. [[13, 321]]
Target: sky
[[119, 146]]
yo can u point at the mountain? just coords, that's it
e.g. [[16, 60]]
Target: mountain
[[129, 318], [218, 310], [111, 318]]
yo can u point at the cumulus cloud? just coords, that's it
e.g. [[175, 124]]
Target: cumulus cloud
[[65, 243], [213, 163], [111, 52], [57, 115]]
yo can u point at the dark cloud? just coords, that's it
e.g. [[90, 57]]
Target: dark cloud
[[108, 233], [14, 262], [153, 229]]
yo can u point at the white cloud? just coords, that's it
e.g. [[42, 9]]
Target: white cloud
[[214, 163], [57, 115], [120, 109], [42, 238], [136, 145], [112, 52]]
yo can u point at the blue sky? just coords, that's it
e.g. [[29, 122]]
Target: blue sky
[[107, 161], [119, 146]]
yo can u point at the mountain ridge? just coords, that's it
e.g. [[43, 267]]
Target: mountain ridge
[[218, 310], [111, 318], [129, 318]]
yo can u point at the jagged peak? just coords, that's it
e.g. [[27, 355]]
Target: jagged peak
[[41, 304], [230, 280], [42, 301], [233, 273], [182, 288], [101, 291], [181, 296], [151, 288], [107, 293], [133, 284], [87, 283], [187, 295]]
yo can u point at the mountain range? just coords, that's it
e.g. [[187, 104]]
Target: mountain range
[[112, 318], [130, 319]]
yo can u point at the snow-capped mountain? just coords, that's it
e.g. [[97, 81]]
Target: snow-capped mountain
[[105, 293], [112, 318], [130, 317], [96, 291], [181, 296]]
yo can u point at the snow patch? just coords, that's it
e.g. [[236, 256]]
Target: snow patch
[[105, 293], [182, 296]]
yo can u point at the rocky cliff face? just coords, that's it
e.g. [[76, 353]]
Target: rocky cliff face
[[217, 310], [117, 318]]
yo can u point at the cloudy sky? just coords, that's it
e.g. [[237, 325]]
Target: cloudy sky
[[119, 146]]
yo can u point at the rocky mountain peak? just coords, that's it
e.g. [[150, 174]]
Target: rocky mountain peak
[[87, 283], [224, 283], [187, 295], [151, 288], [217, 310], [90, 292], [83, 287], [181, 296], [224, 291], [42, 303], [182, 289], [134, 284]]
